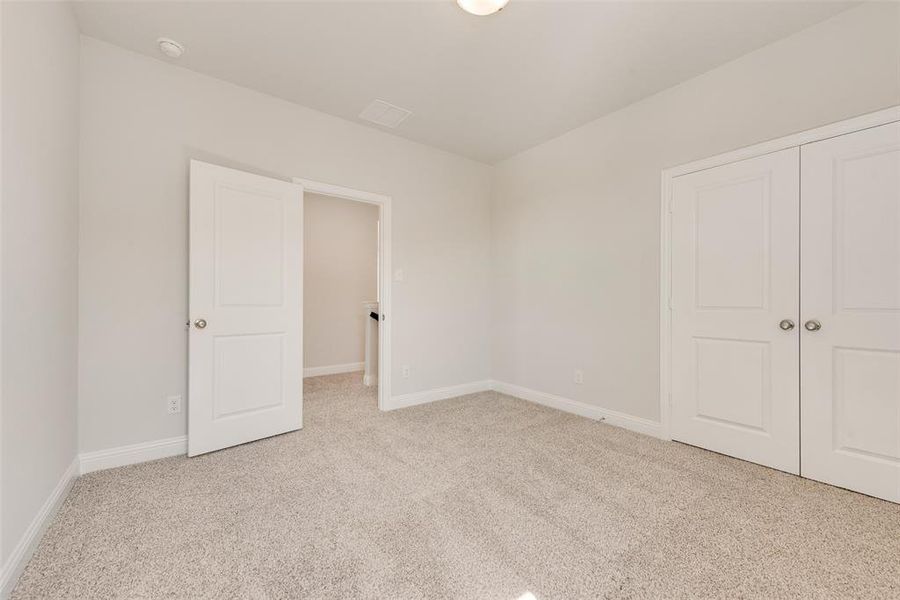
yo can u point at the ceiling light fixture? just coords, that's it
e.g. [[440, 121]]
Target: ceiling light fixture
[[482, 8], [170, 48]]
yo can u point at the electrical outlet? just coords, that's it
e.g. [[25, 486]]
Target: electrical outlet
[[173, 405], [404, 371], [579, 376]]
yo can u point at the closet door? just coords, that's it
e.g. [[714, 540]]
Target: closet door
[[850, 306], [735, 307]]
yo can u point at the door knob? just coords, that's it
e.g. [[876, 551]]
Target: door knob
[[200, 323], [786, 324], [812, 325]]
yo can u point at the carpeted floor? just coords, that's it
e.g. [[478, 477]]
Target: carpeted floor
[[483, 496]]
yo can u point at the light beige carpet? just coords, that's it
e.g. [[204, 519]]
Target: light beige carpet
[[483, 496]]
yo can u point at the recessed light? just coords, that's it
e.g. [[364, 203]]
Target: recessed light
[[170, 48], [482, 8]]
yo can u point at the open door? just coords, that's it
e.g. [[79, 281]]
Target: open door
[[245, 342]]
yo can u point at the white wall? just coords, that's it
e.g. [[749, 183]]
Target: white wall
[[340, 260], [576, 219], [39, 259], [142, 120]]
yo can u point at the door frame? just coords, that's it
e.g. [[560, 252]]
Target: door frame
[[866, 121], [384, 260]]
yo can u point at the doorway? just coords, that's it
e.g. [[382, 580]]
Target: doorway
[[340, 291], [381, 346]]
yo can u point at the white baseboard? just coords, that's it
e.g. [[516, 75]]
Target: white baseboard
[[135, 453], [638, 424], [333, 369], [438, 394], [15, 564]]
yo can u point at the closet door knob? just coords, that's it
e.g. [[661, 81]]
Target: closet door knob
[[786, 324], [200, 323], [812, 325]]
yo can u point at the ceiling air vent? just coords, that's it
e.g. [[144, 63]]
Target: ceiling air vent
[[384, 114]]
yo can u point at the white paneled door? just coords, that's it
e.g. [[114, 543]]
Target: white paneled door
[[245, 366], [850, 305], [734, 301]]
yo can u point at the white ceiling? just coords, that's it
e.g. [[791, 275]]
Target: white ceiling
[[483, 87]]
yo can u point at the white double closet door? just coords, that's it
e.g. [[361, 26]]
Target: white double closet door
[[785, 310]]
